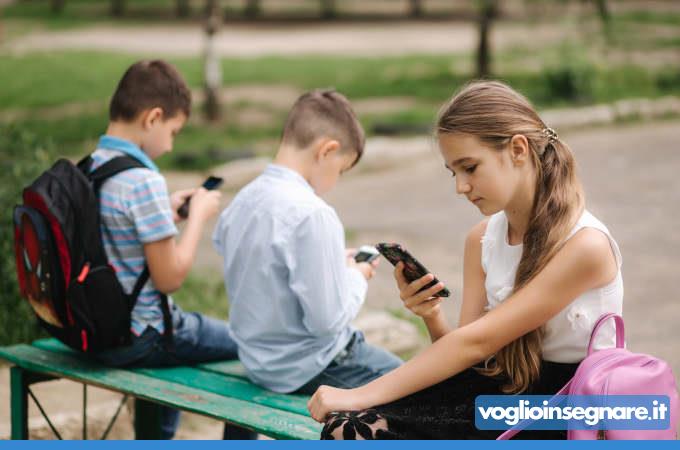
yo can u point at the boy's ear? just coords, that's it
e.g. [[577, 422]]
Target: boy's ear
[[519, 149], [326, 147], [150, 116]]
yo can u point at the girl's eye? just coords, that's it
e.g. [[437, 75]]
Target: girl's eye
[[471, 169], [453, 174]]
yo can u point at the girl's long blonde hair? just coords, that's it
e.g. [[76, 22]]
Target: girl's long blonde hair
[[494, 113]]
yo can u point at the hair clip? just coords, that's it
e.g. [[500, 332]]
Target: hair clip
[[550, 134]]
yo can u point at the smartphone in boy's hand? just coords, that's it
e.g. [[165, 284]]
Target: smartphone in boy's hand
[[366, 253], [413, 269], [209, 184]]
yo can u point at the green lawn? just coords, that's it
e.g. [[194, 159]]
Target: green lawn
[[204, 294], [63, 95], [34, 83]]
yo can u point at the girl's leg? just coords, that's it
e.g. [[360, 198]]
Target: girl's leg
[[442, 411]]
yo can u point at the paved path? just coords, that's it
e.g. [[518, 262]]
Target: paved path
[[254, 40]]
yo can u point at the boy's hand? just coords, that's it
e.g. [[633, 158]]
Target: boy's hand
[[366, 269], [204, 204], [177, 200], [423, 303]]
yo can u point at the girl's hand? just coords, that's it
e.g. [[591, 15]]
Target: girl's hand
[[423, 303], [328, 399], [177, 200]]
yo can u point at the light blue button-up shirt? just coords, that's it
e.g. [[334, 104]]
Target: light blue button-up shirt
[[291, 295]]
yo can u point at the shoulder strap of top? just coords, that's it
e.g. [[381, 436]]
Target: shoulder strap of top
[[587, 220], [493, 232]]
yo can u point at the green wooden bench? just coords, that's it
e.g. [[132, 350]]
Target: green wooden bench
[[219, 390]]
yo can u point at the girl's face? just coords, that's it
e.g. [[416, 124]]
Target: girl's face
[[487, 177]]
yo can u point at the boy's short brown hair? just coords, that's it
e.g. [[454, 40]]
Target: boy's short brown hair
[[324, 113], [150, 84]]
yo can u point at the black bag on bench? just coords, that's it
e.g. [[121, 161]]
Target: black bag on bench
[[62, 266]]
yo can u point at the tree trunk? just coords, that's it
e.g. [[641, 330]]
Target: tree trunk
[[57, 6], [487, 12], [416, 8], [252, 9], [183, 8], [212, 71], [117, 7], [603, 10], [328, 9]]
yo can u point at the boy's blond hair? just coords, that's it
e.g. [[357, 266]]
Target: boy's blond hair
[[324, 113]]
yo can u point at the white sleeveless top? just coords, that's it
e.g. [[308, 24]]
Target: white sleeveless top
[[567, 334]]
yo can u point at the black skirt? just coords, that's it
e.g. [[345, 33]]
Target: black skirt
[[445, 410]]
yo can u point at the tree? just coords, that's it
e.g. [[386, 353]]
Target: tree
[[416, 8], [57, 6], [117, 7], [487, 12], [328, 9], [252, 8], [182, 8], [212, 71]]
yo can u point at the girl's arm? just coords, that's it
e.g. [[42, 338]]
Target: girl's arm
[[474, 294], [585, 262]]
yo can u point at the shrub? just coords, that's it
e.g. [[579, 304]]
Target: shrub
[[22, 158]]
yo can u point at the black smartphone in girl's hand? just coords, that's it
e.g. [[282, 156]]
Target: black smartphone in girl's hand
[[413, 269], [210, 183]]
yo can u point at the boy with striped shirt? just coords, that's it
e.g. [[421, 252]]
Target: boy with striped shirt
[[138, 216]]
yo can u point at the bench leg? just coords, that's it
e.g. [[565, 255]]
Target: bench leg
[[19, 380], [19, 402], [147, 420]]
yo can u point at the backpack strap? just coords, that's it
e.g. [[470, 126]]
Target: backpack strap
[[108, 169], [555, 400], [619, 330], [98, 177], [165, 305], [565, 390]]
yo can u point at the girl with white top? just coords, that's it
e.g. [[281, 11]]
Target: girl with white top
[[538, 272]]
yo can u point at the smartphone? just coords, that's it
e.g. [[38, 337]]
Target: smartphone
[[210, 183], [366, 253], [413, 269]]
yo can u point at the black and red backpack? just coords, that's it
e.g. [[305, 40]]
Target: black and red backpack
[[62, 266]]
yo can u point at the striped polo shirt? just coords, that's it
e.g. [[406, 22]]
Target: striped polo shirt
[[135, 210]]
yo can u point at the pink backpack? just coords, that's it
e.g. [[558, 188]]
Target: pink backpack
[[617, 371]]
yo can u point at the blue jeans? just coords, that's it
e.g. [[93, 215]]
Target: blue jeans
[[357, 364], [196, 338]]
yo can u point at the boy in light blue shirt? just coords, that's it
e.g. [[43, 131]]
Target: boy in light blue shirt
[[293, 287]]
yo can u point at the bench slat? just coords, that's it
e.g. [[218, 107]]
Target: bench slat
[[219, 382], [233, 368], [269, 421], [231, 387]]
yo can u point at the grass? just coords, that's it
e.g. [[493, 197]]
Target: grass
[[49, 80], [205, 295], [38, 86], [649, 17]]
